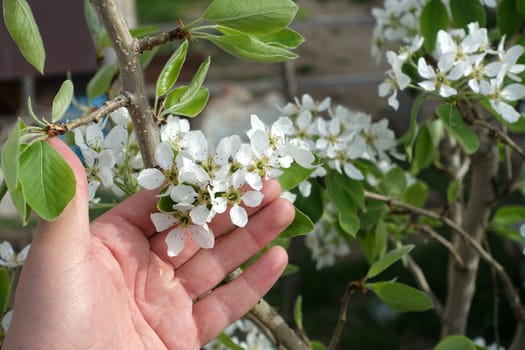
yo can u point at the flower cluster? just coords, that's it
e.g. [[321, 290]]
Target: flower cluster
[[109, 157], [397, 23], [10, 259], [464, 65], [199, 181], [325, 242]]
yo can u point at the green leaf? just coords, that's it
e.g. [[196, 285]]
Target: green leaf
[[101, 81], [298, 312], [62, 100], [452, 191], [521, 6], [455, 342], [509, 18], [290, 269], [416, 194], [18, 199], [188, 108], [400, 297], [317, 345], [301, 225], [387, 260], [10, 155], [394, 183], [22, 27], [468, 11], [353, 188], [344, 203], [409, 138], [285, 37], [312, 205], [293, 176], [455, 125], [433, 18], [425, 151], [228, 342], [171, 70], [5, 289], [251, 48], [196, 82], [507, 220], [252, 16], [47, 180]]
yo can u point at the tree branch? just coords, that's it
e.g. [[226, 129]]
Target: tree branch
[[108, 107], [132, 77], [341, 320], [149, 42], [510, 292], [268, 317], [503, 136], [433, 234]]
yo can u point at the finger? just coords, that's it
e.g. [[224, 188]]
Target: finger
[[134, 213], [232, 250], [75, 217], [231, 301], [220, 224]]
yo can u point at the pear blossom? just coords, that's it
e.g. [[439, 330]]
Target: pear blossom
[[182, 223], [10, 259], [499, 97], [438, 80]]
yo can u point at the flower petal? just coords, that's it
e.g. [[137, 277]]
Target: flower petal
[[175, 241], [238, 216], [252, 198], [203, 236], [150, 178], [163, 221]]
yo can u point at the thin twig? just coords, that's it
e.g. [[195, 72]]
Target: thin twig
[[433, 234], [503, 136], [149, 42], [267, 316], [422, 282], [341, 320], [108, 107], [512, 295], [495, 318]]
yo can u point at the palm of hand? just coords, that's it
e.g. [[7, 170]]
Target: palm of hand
[[110, 285]]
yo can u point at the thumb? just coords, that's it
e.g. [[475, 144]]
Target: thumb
[[75, 217]]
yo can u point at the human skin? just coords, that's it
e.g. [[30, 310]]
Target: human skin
[[109, 284]]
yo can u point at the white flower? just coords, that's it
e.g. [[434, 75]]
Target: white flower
[[440, 80], [173, 131], [200, 234], [6, 320], [507, 62], [499, 97], [121, 116], [8, 257], [397, 80], [153, 178]]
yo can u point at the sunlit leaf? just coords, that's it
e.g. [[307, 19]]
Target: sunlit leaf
[[62, 100], [301, 225], [455, 342], [251, 16], [433, 18], [171, 70], [454, 123], [298, 312], [22, 27], [47, 180]]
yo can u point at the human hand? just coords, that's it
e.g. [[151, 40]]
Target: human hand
[[111, 285]]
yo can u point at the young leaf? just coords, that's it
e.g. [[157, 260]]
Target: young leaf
[[387, 260], [252, 16], [298, 312], [454, 123], [410, 136], [10, 155], [47, 180], [301, 225], [394, 183], [468, 11], [400, 297], [285, 37], [455, 342], [171, 70], [62, 100], [101, 81], [317, 345], [433, 18], [5, 288], [507, 220], [22, 27], [251, 48], [345, 205], [509, 18], [22, 208], [228, 342], [196, 82], [189, 107]]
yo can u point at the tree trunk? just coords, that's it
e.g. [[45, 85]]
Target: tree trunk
[[462, 279]]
